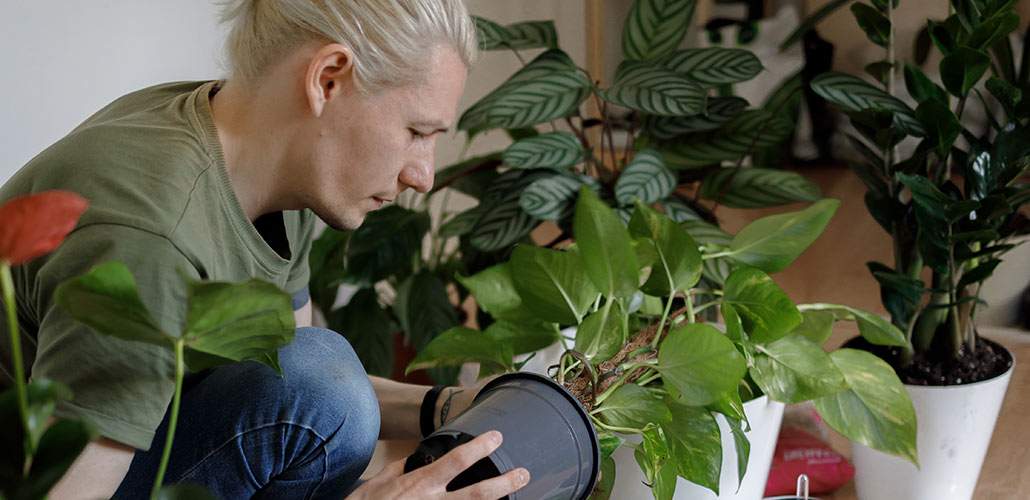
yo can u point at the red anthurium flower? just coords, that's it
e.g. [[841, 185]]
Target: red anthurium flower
[[34, 225]]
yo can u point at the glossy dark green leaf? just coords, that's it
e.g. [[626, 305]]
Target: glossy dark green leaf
[[962, 69], [879, 70], [872, 327], [921, 88], [678, 261], [471, 176], [645, 178], [633, 407], [605, 247], [699, 364], [1008, 95], [551, 150], [652, 89], [461, 345], [523, 336], [743, 447], [43, 396], [549, 87], [462, 223], [552, 284], [993, 29], [765, 311], [495, 292], [773, 242], [875, 25], [58, 448], [504, 222], [695, 445], [385, 244], [811, 21], [602, 333], [875, 410], [941, 125], [328, 267], [427, 310], [720, 110], [654, 28], [739, 137], [978, 273], [758, 187], [794, 369], [854, 94], [714, 66], [369, 329], [107, 300]]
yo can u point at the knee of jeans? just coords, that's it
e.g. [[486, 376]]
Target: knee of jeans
[[329, 377]]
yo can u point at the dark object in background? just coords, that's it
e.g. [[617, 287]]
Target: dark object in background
[[1024, 309], [818, 59], [545, 430]]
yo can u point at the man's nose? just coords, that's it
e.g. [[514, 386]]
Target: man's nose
[[418, 176]]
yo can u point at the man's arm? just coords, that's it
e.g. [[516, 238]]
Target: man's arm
[[96, 473]]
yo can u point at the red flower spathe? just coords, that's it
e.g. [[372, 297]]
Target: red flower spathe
[[34, 225]]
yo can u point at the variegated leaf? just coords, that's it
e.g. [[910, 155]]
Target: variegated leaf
[[549, 87], [739, 137], [645, 178], [707, 234], [758, 187], [720, 110], [525, 35], [855, 94], [552, 150], [461, 223], [655, 90], [655, 27], [714, 66], [504, 222], [551, 197], [679, 211]]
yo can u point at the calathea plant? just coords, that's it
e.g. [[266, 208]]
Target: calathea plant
[[681, 148], [952, 206], [224, 323], [642, 363]]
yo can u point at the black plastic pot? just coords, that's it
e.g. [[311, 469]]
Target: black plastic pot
[[545, 430]]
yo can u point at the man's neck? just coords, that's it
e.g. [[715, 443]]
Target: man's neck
[[253, 153]]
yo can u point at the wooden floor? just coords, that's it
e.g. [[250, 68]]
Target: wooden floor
[[1006, 470]]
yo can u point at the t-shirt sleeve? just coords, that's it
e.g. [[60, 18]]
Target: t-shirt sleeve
[[300, 272], [122, 387]]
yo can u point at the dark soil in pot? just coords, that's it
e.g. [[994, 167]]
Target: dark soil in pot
[[989, 360]]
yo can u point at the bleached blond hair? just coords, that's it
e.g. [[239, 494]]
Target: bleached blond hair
[[391, 40]]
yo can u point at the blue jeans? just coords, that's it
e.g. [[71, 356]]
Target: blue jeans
[[245, 432]]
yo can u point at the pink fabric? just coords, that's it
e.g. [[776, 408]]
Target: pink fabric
[[798, 452]]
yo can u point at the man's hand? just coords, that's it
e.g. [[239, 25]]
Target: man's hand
[[430, 482]]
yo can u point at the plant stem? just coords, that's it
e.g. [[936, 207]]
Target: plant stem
[[623, 430], [709, 256], [173, 419], [19, 367], [665, 317]]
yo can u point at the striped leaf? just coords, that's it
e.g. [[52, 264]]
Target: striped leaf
[[854, 94], [645, 179], [551, 197], [526, 35], [679, 211], [707, 234], [551, 150], [720, 110], [549, 87], [655, 90], [461, 223], [758, 187], [716, 270], [655, 27], [739, 137], [714, 66], [503, 222]]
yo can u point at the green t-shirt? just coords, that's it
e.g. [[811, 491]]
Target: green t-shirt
[[152, 168]]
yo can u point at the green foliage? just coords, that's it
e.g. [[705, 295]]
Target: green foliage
[[645, 178], [765, 311], [794, 369], [653, 89], [772, 243], [758, 187], [699, 363], [525, 35], [608, 255], [553, 150], [655, 27]]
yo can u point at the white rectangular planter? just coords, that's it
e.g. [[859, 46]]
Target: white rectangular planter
[[955, 427]]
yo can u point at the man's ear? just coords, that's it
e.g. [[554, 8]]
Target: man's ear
[[329, 74]]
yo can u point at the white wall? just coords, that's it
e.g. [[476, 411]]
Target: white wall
[[61, 60]]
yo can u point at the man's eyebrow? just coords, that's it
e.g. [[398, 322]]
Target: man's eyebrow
[[436, 125]]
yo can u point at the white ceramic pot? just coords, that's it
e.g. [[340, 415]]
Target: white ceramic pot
[[955, 427], [765, 417]]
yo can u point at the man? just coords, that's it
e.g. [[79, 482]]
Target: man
[[332, 110]]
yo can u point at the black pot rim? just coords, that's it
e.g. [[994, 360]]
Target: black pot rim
[[595, 446]]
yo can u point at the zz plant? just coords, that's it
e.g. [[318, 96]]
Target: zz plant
[[953, 205], [643, 363], [684, 143]]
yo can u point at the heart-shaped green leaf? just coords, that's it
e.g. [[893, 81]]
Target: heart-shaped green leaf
[[552, 284], [765, 311], [655, 27], [461, 345], [962, 69], [524, 336], [875, 25], [678, 260], [633, 407], [605, 245], [602, 333], [794, 369], [875, 410], [495, 292], [552, 150], [58, 448], [106, 299], [758, 187], [699, 364], [816, 326], [872, 327], [695, 445], [772, 243]]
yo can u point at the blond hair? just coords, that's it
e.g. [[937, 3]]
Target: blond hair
[[390, 40]]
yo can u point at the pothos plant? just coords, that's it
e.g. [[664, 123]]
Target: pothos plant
[[954, 205], [642, 362], [683, 144], [224, 323]]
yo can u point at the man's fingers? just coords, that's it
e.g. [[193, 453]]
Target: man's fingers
[[498, 487], [462, 457]]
